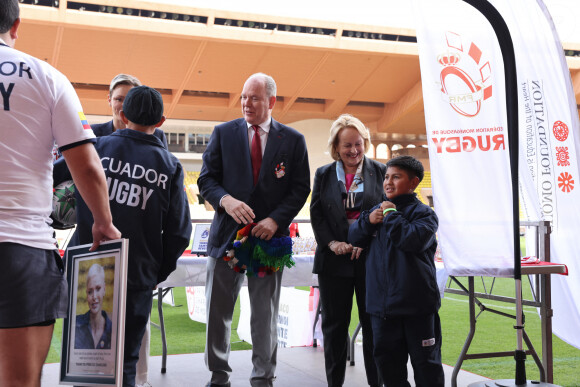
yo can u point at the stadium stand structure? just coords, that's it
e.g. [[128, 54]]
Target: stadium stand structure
[[425, 183], [190, 178]]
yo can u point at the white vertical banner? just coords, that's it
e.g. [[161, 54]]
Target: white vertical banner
[[549, 133], [465, 112]]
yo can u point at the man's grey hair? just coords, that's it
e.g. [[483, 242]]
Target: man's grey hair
[[268, 80]]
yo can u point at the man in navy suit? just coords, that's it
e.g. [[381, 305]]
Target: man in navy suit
[[270, 198]]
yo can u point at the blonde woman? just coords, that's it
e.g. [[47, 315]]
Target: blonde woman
[[93, 329], [342, 190]]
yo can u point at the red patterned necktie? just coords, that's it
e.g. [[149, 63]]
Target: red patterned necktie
[[256, 153]]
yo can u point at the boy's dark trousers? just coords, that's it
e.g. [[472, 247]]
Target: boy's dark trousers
[[138, 309], [395, 338]]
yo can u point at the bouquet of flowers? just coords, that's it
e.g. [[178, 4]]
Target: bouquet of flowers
[[258, 257]]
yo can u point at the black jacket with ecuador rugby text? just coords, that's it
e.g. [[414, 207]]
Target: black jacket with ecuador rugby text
[[400, 274], [148, 204]]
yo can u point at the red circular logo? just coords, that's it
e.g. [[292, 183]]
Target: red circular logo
[[560, 131]]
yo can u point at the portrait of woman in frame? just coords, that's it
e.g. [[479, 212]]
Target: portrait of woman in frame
[[93, 332]]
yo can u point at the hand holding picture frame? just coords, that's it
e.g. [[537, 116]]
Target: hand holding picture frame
[[93, 332]]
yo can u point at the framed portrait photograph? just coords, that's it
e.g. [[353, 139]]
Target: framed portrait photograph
[[93, 332]]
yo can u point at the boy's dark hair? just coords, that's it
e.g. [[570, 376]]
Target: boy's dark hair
[[9, 12], [408, 164], [143, 105]]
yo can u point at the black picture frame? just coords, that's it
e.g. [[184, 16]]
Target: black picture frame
[[91, 275]]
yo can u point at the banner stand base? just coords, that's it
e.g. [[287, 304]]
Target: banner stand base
[[510, 383]]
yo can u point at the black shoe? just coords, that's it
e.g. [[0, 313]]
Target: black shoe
[[210, 384]]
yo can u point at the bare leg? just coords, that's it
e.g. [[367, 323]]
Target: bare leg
[[22, 355]]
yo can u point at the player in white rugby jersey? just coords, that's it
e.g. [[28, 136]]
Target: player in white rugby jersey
[[38, 106]]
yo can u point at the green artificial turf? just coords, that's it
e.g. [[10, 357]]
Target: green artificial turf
[[494, 333]]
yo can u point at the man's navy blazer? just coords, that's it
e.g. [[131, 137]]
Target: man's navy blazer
[[283, 184], [107, 128]]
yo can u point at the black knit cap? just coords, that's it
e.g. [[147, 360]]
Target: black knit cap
[[143, 105]]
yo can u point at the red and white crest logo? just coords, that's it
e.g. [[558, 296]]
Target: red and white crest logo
[[465, 79]]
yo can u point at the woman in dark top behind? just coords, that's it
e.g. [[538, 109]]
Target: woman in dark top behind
[[342, 189]]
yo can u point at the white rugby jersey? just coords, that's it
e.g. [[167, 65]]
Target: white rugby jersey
[[38, 106]]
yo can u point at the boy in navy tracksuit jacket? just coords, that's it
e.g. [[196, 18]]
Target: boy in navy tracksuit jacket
[[402, 294], [149, 207]]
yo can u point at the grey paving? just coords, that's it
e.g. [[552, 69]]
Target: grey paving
[[297, 367]]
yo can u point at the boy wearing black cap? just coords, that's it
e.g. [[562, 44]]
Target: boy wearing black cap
[[149, 207]]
